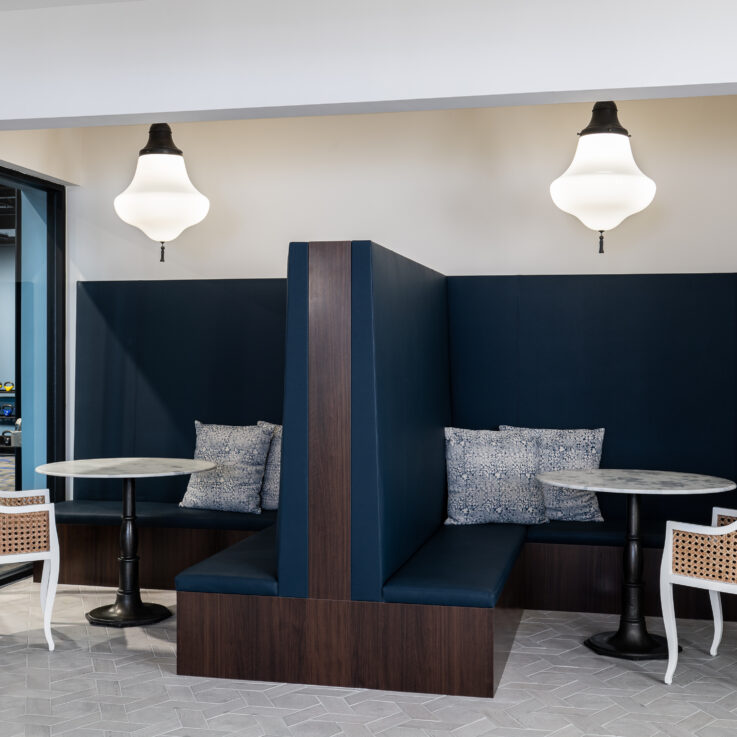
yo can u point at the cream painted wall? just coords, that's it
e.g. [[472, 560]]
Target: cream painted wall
[[463, 191]]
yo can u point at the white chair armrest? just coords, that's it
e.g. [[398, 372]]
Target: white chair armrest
[[20, 495], [26, 508], [699, 529]]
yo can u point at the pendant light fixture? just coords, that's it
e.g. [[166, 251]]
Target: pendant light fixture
[[161, 200], [603, 184]]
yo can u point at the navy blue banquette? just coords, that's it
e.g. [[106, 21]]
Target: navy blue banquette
[[151, 358], [649, 358]]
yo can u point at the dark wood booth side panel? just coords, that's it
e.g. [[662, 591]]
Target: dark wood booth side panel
[[588, 578], [89, 553], [399, 647]]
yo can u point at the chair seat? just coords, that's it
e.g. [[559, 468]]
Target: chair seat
[[460, 565], [609, 532], [248, 567], [159, 514]]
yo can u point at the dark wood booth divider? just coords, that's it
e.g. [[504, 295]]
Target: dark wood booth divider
[[377, 359]]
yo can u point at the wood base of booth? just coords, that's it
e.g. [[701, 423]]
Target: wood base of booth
[[89, 553], [359, 644], [588, 578], [407, 647]]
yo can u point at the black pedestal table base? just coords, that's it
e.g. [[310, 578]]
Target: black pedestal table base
[[631, 641], [120, 615], [653, 647], [128, 609]]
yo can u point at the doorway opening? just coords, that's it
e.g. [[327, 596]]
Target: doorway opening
[[32, 325]]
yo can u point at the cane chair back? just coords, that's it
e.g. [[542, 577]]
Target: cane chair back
[[28, 533], [699, 556], [27, 523]]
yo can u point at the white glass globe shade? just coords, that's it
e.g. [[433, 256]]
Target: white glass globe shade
[[161, 200], [603, 184]]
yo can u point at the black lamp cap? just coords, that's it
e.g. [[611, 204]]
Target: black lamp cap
[[604, 120], [160, 141]]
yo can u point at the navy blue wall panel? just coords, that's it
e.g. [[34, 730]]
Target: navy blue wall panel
[[651, 358], [400, 404], [292, 521], [153, 356]]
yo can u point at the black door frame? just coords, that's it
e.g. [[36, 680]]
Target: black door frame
[[55, 317]]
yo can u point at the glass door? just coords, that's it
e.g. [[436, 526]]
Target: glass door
[[32, 319]]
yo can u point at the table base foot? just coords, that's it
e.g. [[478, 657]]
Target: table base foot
[[649, 647], [122, 615]]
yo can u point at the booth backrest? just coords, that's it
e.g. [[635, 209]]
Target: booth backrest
[[154, 356], [400, 403], [651, 358], [292, 521]]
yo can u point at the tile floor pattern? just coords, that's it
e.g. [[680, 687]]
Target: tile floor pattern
[[119, 683], [7, 472]]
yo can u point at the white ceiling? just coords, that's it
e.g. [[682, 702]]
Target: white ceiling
[[6, 5], [141, 61]]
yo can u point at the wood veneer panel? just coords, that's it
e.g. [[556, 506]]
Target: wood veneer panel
[[329, 420], [402, 647], [588, 578], [89, 553]]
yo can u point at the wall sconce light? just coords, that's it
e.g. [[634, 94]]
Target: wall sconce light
[[161, 200], [603, 184]]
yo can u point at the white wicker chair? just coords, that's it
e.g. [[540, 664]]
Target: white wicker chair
[[703, 557], [28, 533]]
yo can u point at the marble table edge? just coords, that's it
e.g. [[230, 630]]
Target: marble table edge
[[637, 481], [125, 467]]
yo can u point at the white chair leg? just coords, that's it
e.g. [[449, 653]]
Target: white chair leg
[[716, 608], [50, 594], [45, 583], [669, 620]]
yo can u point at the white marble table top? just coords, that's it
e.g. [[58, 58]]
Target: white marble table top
[[626, 481], [128, 468]]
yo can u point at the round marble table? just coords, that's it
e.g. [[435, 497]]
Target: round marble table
[[128, 609], [632, 640]]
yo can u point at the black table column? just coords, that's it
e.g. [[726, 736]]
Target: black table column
[[128, 610], [631, 641]]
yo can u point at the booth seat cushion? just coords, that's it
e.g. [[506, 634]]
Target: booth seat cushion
[[459, 566], [248, 567], [159, 514], [609, 532]]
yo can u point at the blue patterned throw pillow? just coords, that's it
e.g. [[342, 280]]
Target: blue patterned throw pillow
[[272, 473], [491, 478], [234, 485], [567, 450]]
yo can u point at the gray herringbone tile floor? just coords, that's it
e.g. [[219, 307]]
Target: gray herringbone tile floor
[[119, 683]]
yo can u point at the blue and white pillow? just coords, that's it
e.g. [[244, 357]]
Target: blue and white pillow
[[234, 485], [491, 478], [272, 473], [567, 450]]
